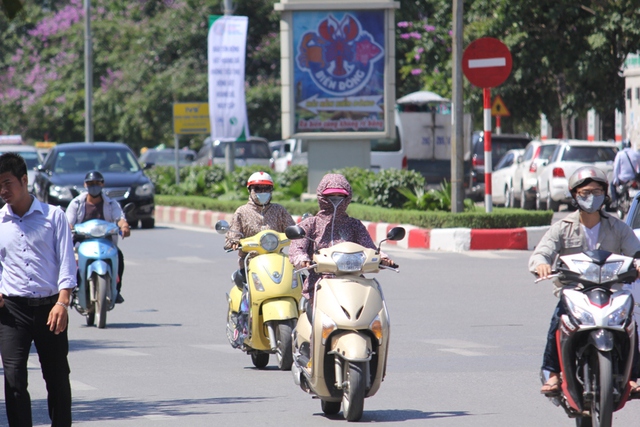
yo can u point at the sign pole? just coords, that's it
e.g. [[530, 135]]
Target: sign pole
[[488, 166], [498, 127], [176, 141]]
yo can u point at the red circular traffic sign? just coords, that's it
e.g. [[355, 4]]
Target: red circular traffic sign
[[486, 62]]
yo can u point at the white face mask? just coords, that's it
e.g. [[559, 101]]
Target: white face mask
[[263, 198], [591, 203]]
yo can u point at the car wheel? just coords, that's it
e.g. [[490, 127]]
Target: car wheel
[[540, 204], [148, 223], [507, 196], [552, 204], [524, 203], [513, 201]]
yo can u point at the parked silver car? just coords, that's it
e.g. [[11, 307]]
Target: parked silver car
[[254, 151]]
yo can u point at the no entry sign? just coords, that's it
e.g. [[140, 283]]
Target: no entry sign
[[486, 62]]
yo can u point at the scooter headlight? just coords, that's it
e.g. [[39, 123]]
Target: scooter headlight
[[599, 274], [609, 271], [99, 230], [620, 316], [347, 262], [583, 317], [328, 326], [269, 242]]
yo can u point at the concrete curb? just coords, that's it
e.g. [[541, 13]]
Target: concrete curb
[[441, 239]]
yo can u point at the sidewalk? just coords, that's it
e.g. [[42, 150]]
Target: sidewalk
[[441, 239]]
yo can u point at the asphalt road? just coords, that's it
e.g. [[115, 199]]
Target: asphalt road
[[468, 330]]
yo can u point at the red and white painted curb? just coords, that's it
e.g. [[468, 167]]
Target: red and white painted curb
[[438, 239]]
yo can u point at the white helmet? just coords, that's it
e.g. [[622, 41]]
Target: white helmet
[[259, 178]]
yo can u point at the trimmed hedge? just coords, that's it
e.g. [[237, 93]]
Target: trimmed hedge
[[499, 218]]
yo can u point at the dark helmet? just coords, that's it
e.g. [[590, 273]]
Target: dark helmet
[[626, 143], [93, 176], [586, 174]]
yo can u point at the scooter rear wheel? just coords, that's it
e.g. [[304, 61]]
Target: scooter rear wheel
[[330, 408]]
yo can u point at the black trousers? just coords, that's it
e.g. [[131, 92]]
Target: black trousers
[[20, 325]]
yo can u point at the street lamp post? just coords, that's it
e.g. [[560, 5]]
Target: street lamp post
[[88, 74]]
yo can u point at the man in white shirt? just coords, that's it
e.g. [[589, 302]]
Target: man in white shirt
[[37, 276]]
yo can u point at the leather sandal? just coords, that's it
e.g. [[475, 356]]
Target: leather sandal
[[552, 386]]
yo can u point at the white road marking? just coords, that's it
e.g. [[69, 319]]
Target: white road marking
[[80, 386], [217, 347], [487, 62], [189, 260], [120, 352], [459, 347], [457, 343], [187, 227], [463, 352]]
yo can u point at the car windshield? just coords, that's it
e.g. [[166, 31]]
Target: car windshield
[[245, 149], [589, 154], [82, 161]]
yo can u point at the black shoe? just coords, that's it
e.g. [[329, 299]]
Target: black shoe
[[119, 299]]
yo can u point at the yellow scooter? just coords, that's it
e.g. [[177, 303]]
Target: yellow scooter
[[269, 297]]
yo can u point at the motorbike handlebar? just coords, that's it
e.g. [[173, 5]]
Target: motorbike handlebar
[[395, 267], [549, 277]]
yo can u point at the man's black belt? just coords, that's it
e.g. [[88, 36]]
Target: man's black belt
[[33, 302]]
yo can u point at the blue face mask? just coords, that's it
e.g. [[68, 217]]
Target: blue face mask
[[94, 190]]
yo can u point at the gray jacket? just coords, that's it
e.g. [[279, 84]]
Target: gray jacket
[[566, 237]]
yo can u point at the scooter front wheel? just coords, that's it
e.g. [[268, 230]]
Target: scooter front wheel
[[260, 360], [602, 407], [284, 350], [354, 390], [101, 299]]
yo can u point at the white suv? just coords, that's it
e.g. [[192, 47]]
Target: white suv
[[569, 155]]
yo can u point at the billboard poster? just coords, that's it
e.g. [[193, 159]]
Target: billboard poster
[[226, 62], [338, 71]]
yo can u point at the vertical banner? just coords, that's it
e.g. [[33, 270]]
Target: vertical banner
[[339, 71], [226, 57]]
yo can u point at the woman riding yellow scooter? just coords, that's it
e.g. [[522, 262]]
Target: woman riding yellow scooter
[[247, 233]]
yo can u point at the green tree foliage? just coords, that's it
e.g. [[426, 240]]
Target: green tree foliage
[[147, 55]]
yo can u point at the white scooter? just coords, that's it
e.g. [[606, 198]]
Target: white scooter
[[340, 347]]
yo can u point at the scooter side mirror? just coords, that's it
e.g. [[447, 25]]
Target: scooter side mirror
[[396, 233], [294, 232], [222, 227]]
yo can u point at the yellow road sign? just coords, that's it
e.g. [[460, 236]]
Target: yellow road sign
[[191, 118], [498, 109]]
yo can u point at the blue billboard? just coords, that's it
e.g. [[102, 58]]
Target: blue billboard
[[338, 71]]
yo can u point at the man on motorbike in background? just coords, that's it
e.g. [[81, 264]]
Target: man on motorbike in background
[[589, 228], [626, 166], [257, 215], [329, 227], [95, 205]]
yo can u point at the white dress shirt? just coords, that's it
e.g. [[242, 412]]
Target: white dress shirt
[[36, 252]]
